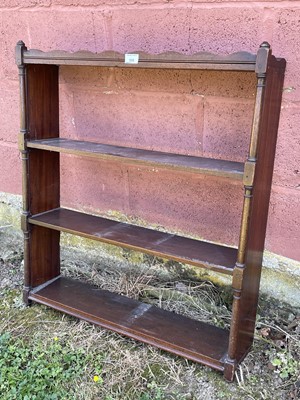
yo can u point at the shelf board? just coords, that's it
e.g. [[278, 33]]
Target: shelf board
[[195, 252], [183, 336], [208, 166]]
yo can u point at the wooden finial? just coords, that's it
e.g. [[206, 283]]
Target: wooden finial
[[265, 45], [20, 47]]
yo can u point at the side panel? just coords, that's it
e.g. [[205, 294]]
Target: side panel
[[43, 170], [259, 209]]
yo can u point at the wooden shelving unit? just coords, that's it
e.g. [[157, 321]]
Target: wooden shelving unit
[[43, 219]]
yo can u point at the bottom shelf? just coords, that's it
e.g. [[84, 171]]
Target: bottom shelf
[[180, 335]]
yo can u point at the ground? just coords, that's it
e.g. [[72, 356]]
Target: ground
[[47, 355]]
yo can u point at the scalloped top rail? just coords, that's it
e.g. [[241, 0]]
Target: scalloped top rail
[[240, 61]]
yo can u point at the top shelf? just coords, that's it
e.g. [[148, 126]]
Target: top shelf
[[239, 61]]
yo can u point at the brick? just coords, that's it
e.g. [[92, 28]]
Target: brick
[[225, 30], [83, 75], [24, 4], [66, 30], [235, 1], [154, 80], [9, 111], [283, 225], [155, 121], [206, 83], [93, 3], [81, 3], [80, 80], [96, 3], [2, 63], [93, 185], [151, 30], [227, 128], [286, 44], [66, 113], [11, 169], [197, 205], [224, 84], [287, 160]]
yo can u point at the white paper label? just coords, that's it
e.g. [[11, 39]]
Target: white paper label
[[131, 58]]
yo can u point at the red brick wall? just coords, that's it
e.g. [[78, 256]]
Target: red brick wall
[[186, 112]]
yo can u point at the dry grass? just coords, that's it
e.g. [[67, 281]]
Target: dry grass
[[134, 371]]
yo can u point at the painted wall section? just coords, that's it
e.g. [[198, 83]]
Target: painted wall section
[[206, 113]]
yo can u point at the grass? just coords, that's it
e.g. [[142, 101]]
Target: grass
[[44, 369], [45, 354]]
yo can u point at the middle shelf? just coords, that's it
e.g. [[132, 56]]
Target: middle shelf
[[195, 252], [202, 165]]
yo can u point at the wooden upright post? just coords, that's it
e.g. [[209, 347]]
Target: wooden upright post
[[257, 183]]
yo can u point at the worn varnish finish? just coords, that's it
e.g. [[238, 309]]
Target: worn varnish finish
[[194, 164], [43, 219], [195, 252], [144, 322]]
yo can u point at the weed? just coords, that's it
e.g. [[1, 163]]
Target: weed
[[33, 371], [286, 365], [154, 392]]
